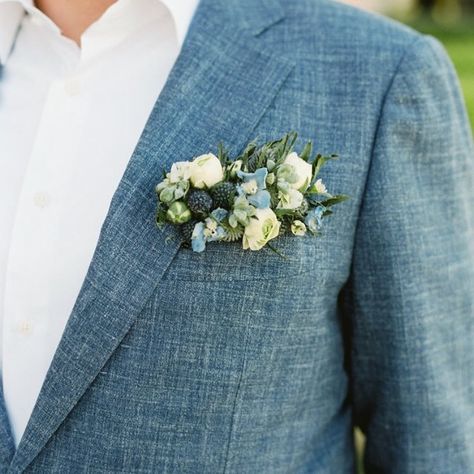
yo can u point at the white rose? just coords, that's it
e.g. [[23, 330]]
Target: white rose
[[303, 169], [206, 171], [263, 226], [290, 200]]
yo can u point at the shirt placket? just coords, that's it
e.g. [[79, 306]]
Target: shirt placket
[[32, 329]]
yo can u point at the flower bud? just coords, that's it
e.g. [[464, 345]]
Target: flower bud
[[178, 213], [298, 228], [234, 167], [270, 178]]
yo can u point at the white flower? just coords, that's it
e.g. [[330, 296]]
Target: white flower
[[181, 170], [270, 178], [234, 167], [211, 227], [303, 169], [262, 227], [319, 187], [206, 171], [298, 228], [250, 187], [292, 199]]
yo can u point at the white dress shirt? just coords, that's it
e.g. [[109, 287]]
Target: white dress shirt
[[70, 118]]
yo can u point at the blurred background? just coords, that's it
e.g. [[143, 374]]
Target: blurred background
[[452, 22]]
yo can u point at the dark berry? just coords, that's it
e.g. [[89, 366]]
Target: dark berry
[[199, 202], [285, 226], [187, 229], [223, 194]]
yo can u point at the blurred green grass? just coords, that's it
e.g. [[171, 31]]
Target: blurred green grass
[[459, 42]]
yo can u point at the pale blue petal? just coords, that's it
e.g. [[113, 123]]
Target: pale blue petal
[[219, 214], [198, 241], [314, 219], [260, 177], [240, 191], [219, 235], [261, 199]]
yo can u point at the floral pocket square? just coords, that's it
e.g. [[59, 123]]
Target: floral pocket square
[[265, 192]]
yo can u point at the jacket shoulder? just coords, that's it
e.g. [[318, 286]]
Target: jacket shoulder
[[315, 26]]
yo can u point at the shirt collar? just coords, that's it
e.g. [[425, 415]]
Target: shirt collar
[[182, 12], [12, 12]]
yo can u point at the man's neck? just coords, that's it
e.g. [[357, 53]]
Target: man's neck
[[73, 16]]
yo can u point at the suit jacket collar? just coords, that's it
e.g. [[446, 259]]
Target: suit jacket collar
[[214, 93]]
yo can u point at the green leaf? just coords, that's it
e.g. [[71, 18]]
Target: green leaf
[[307, 150], [273, 249], [284, 146], [318, 162], [284, 212], [335, 200], [248, 151]]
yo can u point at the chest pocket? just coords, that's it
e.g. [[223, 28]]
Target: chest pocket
[[228, 261]]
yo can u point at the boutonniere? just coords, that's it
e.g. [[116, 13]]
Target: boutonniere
[[265, 192]]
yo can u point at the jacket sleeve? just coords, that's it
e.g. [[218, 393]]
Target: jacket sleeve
[[411, 291]]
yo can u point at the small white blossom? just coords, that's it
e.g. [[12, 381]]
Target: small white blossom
[[298, 228], [290, 200], [250, 187], [320, 187], [181, 170], [234, 167], [270, 178]]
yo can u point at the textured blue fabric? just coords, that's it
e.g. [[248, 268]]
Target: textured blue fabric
[[237, 361], [7, 445]]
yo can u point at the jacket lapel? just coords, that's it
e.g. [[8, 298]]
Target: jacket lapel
[[7, 444], [215, 92]]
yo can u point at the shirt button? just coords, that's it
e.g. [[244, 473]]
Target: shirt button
[[72, 87], [25, 328], [41, 200]]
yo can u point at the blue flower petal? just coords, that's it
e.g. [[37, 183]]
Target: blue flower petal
[[314, 219], [219, 214], [260, 199], [219, 235], [260, 177], [240, 191], [198, 240]]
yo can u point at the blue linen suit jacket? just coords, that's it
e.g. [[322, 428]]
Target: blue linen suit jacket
[[240, 362]]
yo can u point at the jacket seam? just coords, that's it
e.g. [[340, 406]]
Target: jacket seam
[[408, 49]]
